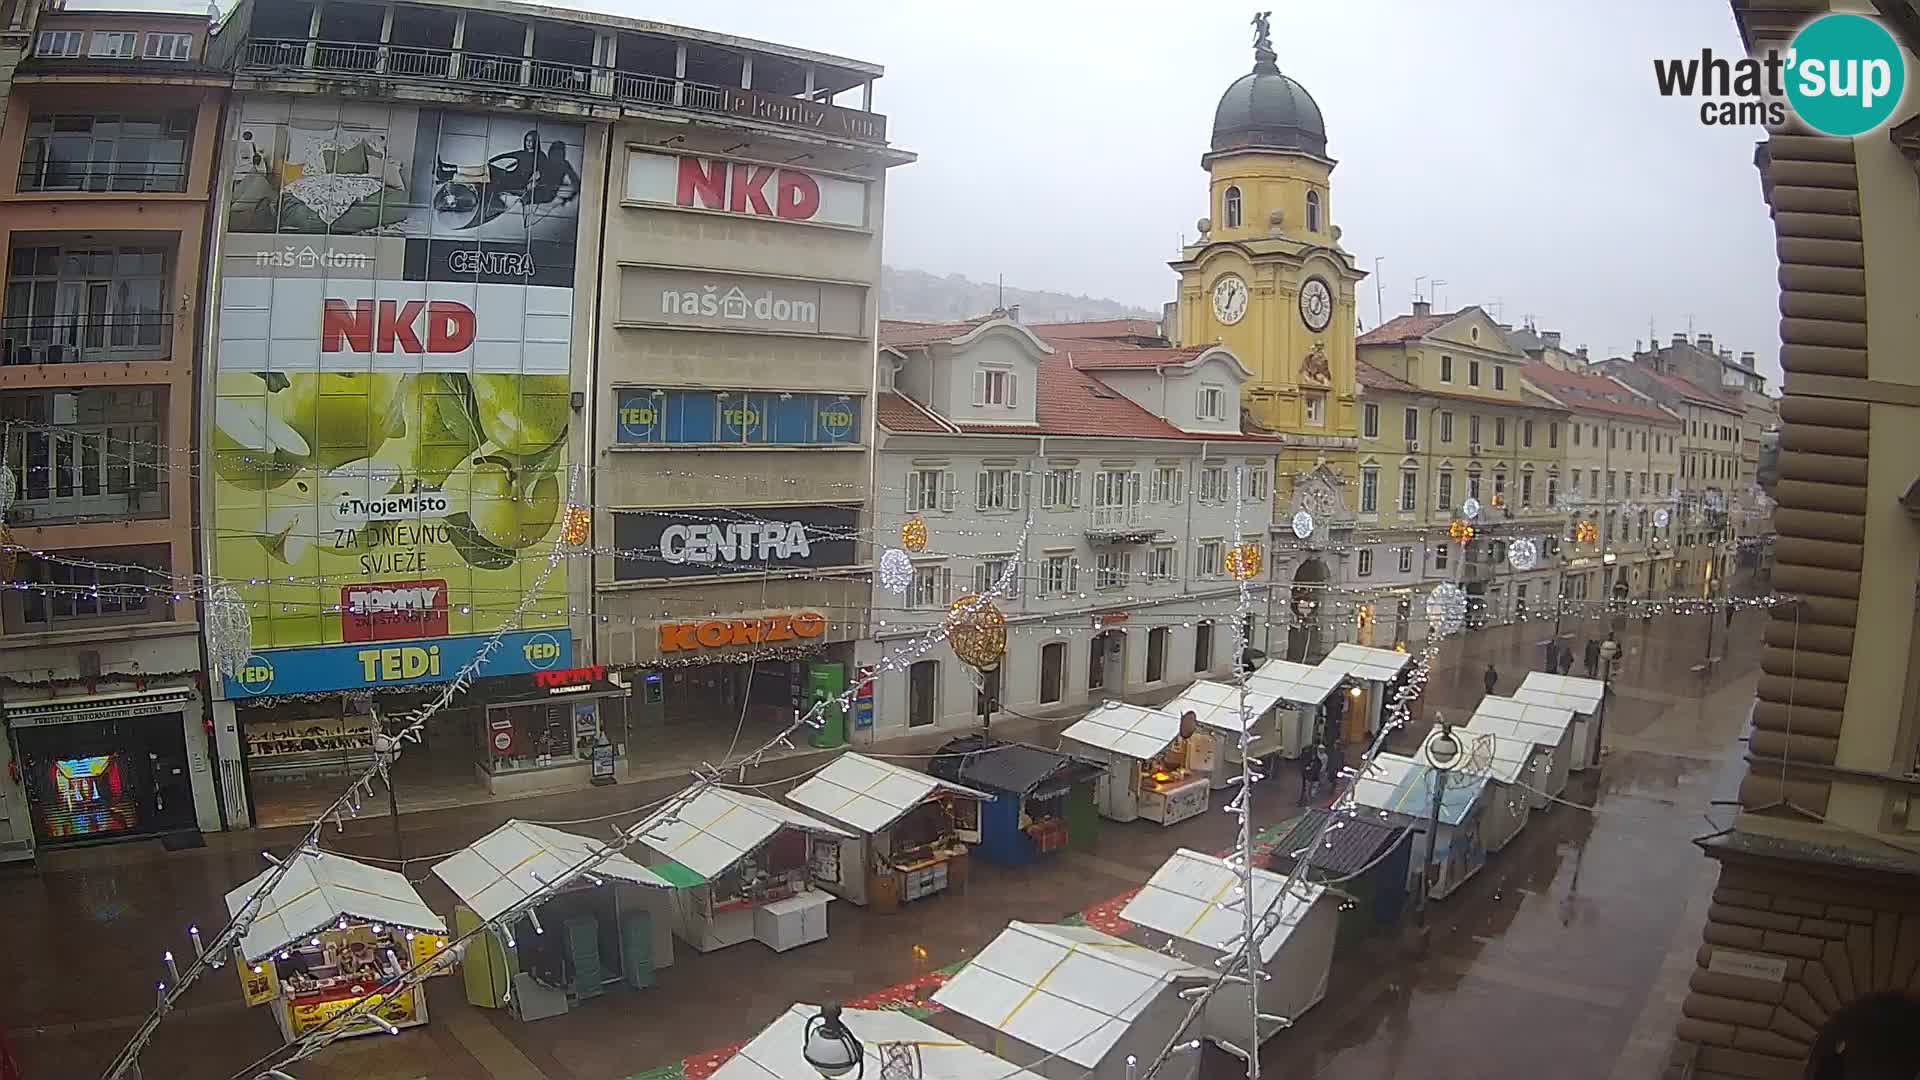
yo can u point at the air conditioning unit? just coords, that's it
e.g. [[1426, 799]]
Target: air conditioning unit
[[1413, 446], [1474, 449]]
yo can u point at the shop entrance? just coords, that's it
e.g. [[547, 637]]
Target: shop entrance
[[106, 779], [1107, 663]]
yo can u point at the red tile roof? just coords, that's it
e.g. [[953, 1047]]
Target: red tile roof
[[1072, 402], [904, 334], [1689, 391], [897, 412], [1098, 356], [1404, 327], [1374, 378], [1098, 328], [1584, 393]]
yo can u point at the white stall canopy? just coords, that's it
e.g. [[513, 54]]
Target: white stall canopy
[[1132, 731], [1184, 900], [1508, 764], [321, 888], [1366, 662], [1582, 697], [511, 863], [1297, 683], [1069, 991], [720, 827], [1217, 705], [777, 1052], [1403, 785], [1546, 726], [870, 794]]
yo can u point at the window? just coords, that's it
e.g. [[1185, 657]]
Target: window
[[1053, 667], [1553, 435], [1203, 646], [1213, 403], [1157, 653], [1526, 488], [1369, 490], [1643, 440], [931, 584], [1499, 377], [1213, 484], [1499, 486], [1611, 478], [68, 305], [923, 693], [82, 594], [1446, 427], [1313, 211], [1640, 526], [1443, 500], [1576, 434], [1409, 490], [1209, 558], [1473, 482], [1161, 563], [1059, 575], [1230, 208], [175, 47], [1404, 559], [1593, 484], [1553, 490], [1366, 562], [1440, 556], [1253, 483], [1060, 489], [1316, 406], [1116, 497], [85, 454], [1499, 431], [1526, 433], [1446, 368], [1473, 373], [995, 386], [1370, 421], [1410, 425], [997, 489], [1113, 569], [1169, 484], [1613, 439], [1575, 477], [59, 44], [993, 570], [1473, 430], [1629, 482], [114, 45]]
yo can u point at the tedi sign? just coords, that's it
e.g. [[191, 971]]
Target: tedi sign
[[1842, 75]]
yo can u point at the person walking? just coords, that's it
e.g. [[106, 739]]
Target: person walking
[[1492, 679], [1592, 657], [1310, 769], [1566, 659]]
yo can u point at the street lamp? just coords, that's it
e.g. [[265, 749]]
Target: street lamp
[[830, 1048], [1609, 649], [1442, 753]]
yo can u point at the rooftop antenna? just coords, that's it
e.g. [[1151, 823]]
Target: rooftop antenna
[[1379, 294], [1002, 303], [1436, 283], [1689, 326], [1416, 287], [1498, 305]]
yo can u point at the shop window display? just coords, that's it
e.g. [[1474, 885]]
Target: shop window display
[[542, 735]]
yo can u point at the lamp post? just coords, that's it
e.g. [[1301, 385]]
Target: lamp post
[[830, 1048], [1442, 753], [1609, 650]]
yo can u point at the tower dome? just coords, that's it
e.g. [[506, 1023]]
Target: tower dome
[[1266, 110]]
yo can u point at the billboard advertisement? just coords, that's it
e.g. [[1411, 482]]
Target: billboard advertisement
[[389, 434], [698, 541]]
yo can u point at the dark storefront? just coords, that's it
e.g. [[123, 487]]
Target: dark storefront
[[106, 766]]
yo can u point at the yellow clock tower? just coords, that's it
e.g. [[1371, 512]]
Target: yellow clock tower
[[1267, 277]]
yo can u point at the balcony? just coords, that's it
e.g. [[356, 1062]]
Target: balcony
[[1119, 524], [106, 152], [87, 299], [85, 455], [84, 339]]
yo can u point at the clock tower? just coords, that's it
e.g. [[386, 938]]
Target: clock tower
[[1267, 276]]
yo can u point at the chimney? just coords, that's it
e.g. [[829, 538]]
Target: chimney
[[1679, 339], [1013, 313], [1551, 337], [1705, 342], [1746, 359], [1582, 351], [1170, 320], [1726, 353], [1422, 308]]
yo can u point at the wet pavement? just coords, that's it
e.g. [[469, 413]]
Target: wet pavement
[[1557, 959]]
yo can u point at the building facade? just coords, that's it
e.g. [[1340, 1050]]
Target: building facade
[[1096, 486], [1807, 967], [114, 121]]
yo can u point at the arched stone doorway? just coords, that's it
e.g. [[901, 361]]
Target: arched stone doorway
[[1308, 603], [1871, 1039]]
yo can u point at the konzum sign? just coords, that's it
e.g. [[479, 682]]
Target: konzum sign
[[747, 188], [718, 633]]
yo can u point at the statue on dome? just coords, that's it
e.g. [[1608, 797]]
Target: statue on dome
[[1262, 29]]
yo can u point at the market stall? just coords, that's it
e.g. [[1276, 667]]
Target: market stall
[[1376, 673], [1303, 691], [1545, 726], [1070, 1002], [1369, 857], [330, 933], [1145, 751], [745, 868], [911, 830], [1579, 696], [608, 927], [1186, 899], [886, 1037], [1043, 800], [1401, 788], [1511, 768], [1218, 707]]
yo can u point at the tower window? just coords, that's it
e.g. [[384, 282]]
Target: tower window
[[1313, 211], [1230, 208]]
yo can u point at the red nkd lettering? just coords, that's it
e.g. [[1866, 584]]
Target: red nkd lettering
[[391, 325], [740, 188], [797, 197], [702, 183]]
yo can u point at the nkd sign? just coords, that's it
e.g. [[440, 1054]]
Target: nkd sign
[[747, 188]]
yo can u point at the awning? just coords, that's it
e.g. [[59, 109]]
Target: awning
[[720, 827], [319, 889], [1133, 731], [1402, 785], [509, 864], [1561, 691], [870, 794], [1015, 768], [1544, 724], [89, 707], [1365, 662], [1185, 899], [1297, 683], [1217, 704]]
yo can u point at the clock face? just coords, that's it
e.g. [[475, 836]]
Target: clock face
[[1229, 299], [1316, 304]]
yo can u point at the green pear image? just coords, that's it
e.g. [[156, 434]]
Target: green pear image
[[252, 448], [523, 414], [439, 420], [343, 416]]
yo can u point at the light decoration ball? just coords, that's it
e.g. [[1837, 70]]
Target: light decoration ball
[[7, 490], [229, 631], [1303, 524], [896, 570], [913, 534], [1460, 531], [9, 553], [1661, 517], [1447, 608], [577, 526], [1523, 554], [1470, 509], [977, 631], [1586, 533], [1243, 561]]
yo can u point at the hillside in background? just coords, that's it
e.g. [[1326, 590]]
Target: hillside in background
[[916, 294]]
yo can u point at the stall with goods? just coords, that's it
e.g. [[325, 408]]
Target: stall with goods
[[911, 830], [1145, 751]]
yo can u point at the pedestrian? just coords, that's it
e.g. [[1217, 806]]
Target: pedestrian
[[1566, 659], [1729, 614], [1310, 776], [1592, 657], [1493, 678]]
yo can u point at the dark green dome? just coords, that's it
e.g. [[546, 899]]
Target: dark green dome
[[1266, 110]]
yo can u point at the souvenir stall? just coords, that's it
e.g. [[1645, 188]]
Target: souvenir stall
[[911, 830], [1215, 748], [1043, 801], [1070, 1002], [609, 927], [1578, 696], [1510, 767], [779, 1051], [1367, 856], [745, 868], [1401, 789], [1145, 751], [1303, 691], [1549, 728], [1184, 900], [1375, 673], [327, 937]]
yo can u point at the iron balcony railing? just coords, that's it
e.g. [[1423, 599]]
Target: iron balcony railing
[[1115, 517], [99, 177], [85, 339], [86, 471], [265, 56]]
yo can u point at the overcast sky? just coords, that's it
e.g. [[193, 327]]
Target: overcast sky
[[1517, 150]]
